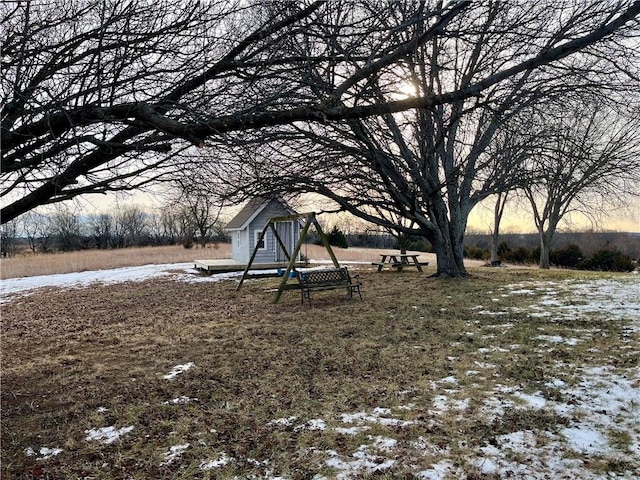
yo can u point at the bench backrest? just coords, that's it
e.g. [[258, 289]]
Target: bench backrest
[[328, 276]]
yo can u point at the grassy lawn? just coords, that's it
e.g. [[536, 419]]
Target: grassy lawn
[[424, 378]]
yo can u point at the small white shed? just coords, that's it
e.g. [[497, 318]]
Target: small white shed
[[246, 226]]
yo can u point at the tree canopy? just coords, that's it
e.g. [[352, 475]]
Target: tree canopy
[[422, 171], [101, 95]]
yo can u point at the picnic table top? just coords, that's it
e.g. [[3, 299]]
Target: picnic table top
[[401, 255]]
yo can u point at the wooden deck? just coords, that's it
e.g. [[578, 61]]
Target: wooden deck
[[225, 265]]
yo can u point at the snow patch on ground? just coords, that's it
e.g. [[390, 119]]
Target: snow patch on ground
[[365, 460], [380, 416], [178, 370], [351, 430], [558, 339], [221, 461], [106, 435], [589, 441], [182, 400], [441, 470], [174, 453], [13, 286], [619, 298], [534, 401], [287, 422], [313, 424], [44, 452]]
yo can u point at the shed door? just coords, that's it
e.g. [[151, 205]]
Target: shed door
[[285, 231]]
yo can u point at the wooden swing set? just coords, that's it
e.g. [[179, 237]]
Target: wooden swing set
[[310, 219]]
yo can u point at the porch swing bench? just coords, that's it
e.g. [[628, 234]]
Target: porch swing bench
[[328, 279]]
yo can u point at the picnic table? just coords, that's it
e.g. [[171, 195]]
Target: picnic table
[[399, 261]]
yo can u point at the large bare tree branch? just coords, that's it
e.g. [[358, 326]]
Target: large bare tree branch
[[426, 167], [249, 79]]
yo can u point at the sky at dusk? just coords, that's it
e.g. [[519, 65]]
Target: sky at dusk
[[516, 219]]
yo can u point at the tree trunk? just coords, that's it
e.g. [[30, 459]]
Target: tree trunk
[[450, 262], [545, 249], [448, 243], [495, 233], [494, 249]]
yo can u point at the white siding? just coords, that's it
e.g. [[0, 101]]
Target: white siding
[[241, 248]]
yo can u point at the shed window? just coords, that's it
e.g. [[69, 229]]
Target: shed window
[[262, 244]]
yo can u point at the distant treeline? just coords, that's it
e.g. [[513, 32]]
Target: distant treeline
[[65, 231], [607, 251], [589, 242]]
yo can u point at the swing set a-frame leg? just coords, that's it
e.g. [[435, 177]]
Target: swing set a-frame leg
[[311, 220], [292, 261], [253, 256], [325, 242]]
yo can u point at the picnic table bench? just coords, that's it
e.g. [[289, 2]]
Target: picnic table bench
[[399, 261], [327, 279]]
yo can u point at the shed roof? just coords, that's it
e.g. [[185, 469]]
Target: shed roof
[[251, 210]]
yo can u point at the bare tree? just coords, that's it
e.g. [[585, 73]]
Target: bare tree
[[100, 96], [156, 229], [65, 225], [102, 226], [38, 229], [186, 228], [433, 165], [498, 212], [198, 204], [33, 228], [170, 225], [509, 149], [129, 226], [590, 161], [9, 239]]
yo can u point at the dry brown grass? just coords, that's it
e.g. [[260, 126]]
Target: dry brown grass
[[80, 359], [27, 264]]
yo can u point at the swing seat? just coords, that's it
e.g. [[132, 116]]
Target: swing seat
[[328, 279]]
